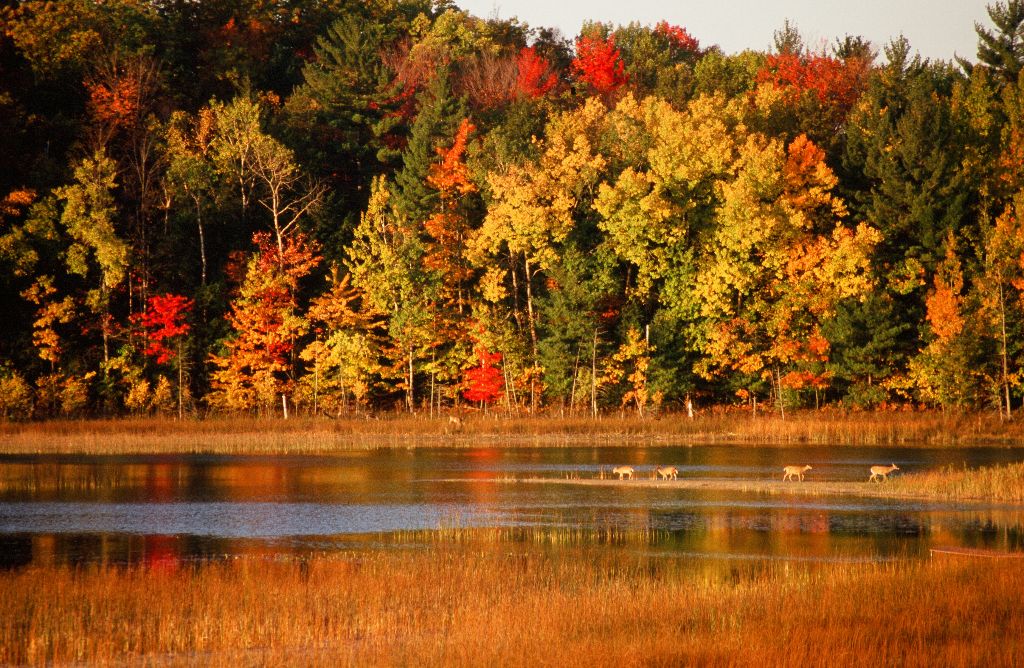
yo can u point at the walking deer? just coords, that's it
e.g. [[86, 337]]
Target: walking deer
[[879, 473], [797, 471], [668, 472], [623, 471]]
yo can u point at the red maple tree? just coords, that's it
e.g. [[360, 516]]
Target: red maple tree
[[484, 383], [678, 37], [834, 83], [599, 65], [164, 319], [535, 77]]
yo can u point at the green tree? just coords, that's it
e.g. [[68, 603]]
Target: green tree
[[437, 117], [1002, 49], [386, 262], [96, 252]]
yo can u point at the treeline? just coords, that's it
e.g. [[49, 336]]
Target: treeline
[[325, 206]]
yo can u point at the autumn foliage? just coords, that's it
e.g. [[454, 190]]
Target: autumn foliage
[[164, 319], [484, 383], [680, 39], [535, 77], [633, 217], [598, 64], [830, 80]]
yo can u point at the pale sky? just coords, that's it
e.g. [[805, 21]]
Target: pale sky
[[937, 29]]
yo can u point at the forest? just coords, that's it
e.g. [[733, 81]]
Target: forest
[[329, 207]]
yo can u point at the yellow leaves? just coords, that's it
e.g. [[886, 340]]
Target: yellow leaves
[[630, 363], [532, 205], [51, 313], [492, 285]]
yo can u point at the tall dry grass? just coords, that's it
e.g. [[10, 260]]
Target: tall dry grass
[[989, 483], [318, 435], [467, 605]]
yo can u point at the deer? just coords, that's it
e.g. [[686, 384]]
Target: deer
[[623, 472], [797, 471], [667, 472], [454, 424], [879, 473]]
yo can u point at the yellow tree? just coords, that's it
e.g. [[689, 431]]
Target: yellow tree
[[345, 354], [1003, 276], [533, 210], [778, 262], [652, 214], [386, 263]]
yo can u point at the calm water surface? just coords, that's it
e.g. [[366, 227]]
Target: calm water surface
[[165, 509]]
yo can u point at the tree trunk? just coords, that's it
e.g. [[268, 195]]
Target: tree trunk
[[1006, 365], [409, 392], [181, 380], [202, 239], [575, 375], [778, 389], [533, 335], [593, 377]]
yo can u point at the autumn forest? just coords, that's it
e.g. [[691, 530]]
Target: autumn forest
[[275, 207]]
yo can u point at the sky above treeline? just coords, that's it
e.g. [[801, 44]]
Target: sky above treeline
[[937, 29]]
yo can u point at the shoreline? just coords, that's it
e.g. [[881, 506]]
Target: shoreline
[[771, 487], [319, 435]]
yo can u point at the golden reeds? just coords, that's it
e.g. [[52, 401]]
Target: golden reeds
[[989, 483], [319, 435], [469, 604]]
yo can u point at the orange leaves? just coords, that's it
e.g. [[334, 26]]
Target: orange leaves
[[599, 65], [264, 316], [809, 180], [116, 103], [831, 81], [16, 201], [803, 159], [451, 176], [944, 302]]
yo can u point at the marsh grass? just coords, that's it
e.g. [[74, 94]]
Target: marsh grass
[[491, 603], [321, 435], [989, 483]]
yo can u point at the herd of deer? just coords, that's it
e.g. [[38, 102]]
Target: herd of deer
[[878, 473]]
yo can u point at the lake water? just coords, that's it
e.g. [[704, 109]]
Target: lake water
[[170, 509]]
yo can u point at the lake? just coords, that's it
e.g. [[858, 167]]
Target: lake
[[173, 509]]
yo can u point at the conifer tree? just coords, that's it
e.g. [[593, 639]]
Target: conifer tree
[[1002, 49], [438, 114]]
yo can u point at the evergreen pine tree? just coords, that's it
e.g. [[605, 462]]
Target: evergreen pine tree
[[438, 114], [1003, 48]]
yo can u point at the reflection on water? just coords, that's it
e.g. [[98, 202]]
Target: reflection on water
[[165, 510]]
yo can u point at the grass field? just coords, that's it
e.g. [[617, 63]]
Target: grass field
[[318, 435], [470, 602]]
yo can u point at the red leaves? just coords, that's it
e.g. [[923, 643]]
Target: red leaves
[[486, 382], [599, 65], [678, 37], [535, 75], [834, 83], [163, 319]]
